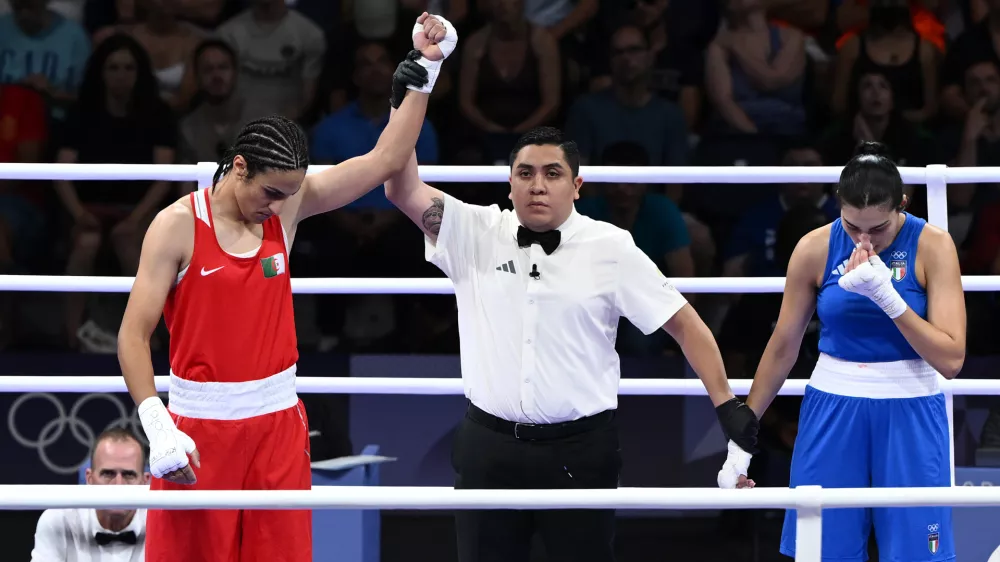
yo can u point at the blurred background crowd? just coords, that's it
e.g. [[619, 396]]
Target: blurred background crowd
[[633, 82]]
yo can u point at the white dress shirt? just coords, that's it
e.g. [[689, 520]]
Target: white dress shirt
[[68, 535], [543, 350]]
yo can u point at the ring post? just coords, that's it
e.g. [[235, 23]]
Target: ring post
[[809, 524]]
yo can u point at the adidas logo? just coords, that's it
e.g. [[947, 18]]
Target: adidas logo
[[841, 269], [508, 267]]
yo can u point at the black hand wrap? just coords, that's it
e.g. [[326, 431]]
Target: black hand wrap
[[408, 73], [739, 423]]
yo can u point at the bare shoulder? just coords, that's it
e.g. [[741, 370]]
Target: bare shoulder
[[177, 214], [171, 234], [936, 242]]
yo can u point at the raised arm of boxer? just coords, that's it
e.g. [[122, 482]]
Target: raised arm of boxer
[[167, 246], [434, 38]]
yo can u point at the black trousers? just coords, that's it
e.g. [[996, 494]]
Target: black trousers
[[487, 458]]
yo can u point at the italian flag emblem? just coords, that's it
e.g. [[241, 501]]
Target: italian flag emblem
[[273, 266], [898, 268], [933, 542]]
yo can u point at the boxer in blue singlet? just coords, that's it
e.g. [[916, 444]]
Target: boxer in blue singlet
[[888, 292]]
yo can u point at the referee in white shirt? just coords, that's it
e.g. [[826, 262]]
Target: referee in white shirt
[[99, 535], [540, 292]]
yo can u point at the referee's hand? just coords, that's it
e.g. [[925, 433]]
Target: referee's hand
[[739, 424]]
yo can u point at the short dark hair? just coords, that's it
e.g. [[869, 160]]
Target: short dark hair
[[119, 433], [871, 179], [214, 43], [541, 136], [268, 143], [624, 153]]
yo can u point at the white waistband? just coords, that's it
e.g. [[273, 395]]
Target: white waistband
[[912, 378], [232, 400]]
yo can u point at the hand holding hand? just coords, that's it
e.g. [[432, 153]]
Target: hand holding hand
[[409, 75]]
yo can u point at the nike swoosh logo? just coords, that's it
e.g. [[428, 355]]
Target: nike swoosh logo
[[210, 271]]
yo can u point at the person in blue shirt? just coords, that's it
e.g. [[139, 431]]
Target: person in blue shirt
[[42, 49], [653, 219], [888, 291]]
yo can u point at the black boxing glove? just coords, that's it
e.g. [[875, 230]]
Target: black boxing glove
[[408, 73], [739, 423]]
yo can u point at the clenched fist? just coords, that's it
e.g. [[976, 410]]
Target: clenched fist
[[434, 37]]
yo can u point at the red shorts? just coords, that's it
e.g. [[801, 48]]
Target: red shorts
[[267, 452]]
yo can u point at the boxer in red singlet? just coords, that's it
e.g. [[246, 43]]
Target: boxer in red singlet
[[216, 264]]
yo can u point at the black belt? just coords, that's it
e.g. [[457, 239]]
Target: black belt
[[539, 432]]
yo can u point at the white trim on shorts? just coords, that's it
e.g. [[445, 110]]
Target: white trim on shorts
[[232, 400], [912, 378]]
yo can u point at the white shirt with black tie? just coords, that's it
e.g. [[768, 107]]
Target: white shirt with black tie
[[70, 535], [541, 349]]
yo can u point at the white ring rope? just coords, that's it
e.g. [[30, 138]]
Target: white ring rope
[[445, 386], [203, 171], [808, 500], [419, 285], [439, 498]]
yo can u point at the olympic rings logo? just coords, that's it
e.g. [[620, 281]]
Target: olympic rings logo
[[52, 431], [898, 255], [933, 528]]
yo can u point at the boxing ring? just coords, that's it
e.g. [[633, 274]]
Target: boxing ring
[[809, 501]]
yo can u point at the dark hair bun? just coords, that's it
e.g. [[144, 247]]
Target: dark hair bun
[[871, 148]]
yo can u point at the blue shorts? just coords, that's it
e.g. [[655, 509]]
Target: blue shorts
[[848, 442]]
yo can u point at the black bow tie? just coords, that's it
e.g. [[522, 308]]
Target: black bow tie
[[549, 241], [104, 539]]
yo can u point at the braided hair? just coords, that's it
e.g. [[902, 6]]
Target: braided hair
[[268, 143]]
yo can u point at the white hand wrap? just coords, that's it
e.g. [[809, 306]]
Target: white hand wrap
[[447, 46], [168, 446], [874, 280], [736, 465]]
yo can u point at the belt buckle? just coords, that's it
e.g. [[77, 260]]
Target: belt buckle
[[517, 425]]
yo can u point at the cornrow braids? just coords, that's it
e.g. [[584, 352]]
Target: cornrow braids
[[268, 143]]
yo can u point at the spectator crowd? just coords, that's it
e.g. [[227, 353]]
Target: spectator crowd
[[633, 82]]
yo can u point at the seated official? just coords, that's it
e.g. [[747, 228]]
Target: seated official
[[99, 535]]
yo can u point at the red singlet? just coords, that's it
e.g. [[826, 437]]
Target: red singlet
[[230, 318]]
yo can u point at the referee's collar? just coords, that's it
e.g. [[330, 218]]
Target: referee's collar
[[569, 227]]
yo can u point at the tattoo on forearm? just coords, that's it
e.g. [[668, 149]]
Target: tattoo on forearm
[[432, 216]]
